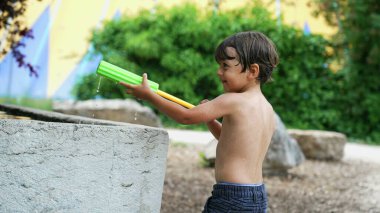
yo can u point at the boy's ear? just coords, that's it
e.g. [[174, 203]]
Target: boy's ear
[[254, 71]]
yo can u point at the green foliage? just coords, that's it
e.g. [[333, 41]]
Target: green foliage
[[358, 43], [303, 88], [176, 48]]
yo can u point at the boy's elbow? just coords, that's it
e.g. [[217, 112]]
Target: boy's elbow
[[185, 120]]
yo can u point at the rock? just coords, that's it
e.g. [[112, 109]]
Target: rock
[[320, 145], [128, 111], [210, 152], [283, 153]]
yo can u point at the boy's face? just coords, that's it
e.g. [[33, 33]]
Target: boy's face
[[230, 73]]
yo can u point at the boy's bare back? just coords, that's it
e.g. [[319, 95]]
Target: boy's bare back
[[244, 139]]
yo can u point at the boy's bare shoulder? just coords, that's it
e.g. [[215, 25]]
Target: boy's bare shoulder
[[244, 99], [230, 100], [241, 100], [233, 96]]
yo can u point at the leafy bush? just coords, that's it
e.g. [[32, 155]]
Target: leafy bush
[[175, 47], [357, 44]]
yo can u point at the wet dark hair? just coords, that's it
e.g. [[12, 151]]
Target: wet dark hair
[[252, 48]]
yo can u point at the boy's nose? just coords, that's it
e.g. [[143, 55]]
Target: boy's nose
[[219, 72]]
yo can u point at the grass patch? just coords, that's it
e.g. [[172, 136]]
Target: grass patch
[[363, 141], [43, 104], [178, 144], [204, 162]]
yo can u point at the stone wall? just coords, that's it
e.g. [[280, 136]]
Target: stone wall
[[69, 167]]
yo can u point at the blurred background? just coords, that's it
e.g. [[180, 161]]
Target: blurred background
[[328, 77], [63, 28]]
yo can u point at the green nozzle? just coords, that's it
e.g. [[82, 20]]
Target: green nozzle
[[121, 75]]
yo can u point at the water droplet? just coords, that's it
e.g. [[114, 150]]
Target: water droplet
[[135, 116], [100, 80]]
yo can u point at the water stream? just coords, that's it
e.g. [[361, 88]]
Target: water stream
[[100, 81], [97, 93]]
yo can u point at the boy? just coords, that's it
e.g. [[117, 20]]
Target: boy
[[246, 61]]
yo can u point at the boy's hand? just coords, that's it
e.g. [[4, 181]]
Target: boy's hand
[[139, 91]]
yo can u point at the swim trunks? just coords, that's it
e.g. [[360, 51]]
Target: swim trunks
[[233, 198]]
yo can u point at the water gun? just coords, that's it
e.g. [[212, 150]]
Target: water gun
[[118, 74]]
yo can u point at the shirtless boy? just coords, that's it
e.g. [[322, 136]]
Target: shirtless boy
[[246, 60]]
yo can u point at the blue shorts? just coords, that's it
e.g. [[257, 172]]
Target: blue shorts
[[232, 197]]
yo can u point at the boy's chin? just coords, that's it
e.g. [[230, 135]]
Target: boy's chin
[[226, 90]]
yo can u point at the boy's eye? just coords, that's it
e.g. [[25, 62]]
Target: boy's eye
[[225, 65]]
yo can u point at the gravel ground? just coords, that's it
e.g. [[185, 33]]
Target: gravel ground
[[315, 186]]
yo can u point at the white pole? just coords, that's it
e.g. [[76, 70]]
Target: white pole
[[216, 6], [278, 12], [154, 8]]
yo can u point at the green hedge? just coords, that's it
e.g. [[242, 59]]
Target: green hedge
[[175, 47]]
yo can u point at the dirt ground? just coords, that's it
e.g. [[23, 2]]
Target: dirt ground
[[314, 186]]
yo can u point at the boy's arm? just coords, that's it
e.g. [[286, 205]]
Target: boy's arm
[[206, 112], [213, 126]]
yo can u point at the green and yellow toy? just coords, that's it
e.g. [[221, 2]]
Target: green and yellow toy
[[118, 74]]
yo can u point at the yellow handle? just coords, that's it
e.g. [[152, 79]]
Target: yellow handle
[[174, 99]]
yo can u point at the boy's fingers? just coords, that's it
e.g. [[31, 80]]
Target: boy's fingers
[[145, 79], [124, 84], [129, 86]]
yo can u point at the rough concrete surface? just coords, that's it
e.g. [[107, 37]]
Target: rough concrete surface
[[63, 167]]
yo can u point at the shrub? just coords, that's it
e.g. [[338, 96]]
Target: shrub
[[357, 45]]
